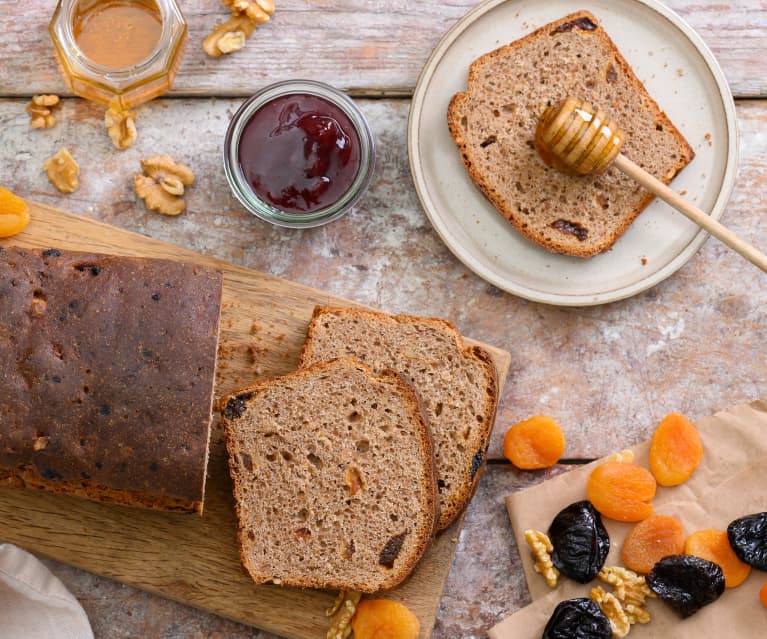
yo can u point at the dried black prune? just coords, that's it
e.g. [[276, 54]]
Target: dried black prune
[[580, 541], [578, 619], [686, 583], [748, 538]]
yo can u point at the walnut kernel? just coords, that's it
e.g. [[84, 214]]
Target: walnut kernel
[[257, 10], [121, 125], [162, 184], [541, 546], [39, 109], [229, 36], [613, 610], [342, 610], [62, 171]]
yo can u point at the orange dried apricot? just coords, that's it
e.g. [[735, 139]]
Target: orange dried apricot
[[622, 491], [763, 594], [534, 443], [650, 541], [14, 213], [384, 619], [713, 545], [675, 450]]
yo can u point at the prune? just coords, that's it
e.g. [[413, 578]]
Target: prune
[[686, 583], [578, 619], [748, 538], [580, 541]]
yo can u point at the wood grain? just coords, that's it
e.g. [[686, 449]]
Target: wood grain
[[367, 47], [187, 558]]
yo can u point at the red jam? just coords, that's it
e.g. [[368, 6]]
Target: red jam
[[299, 152]]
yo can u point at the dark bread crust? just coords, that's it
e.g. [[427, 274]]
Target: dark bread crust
[[234, 410], [454, 503], [459, 107], [106, 376]]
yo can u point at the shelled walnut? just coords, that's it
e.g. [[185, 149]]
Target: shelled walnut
[[162, 184], [121, 125], [62, 171], [231, 35], [342, 611], [541, 547], [39, 109], [257, 10]]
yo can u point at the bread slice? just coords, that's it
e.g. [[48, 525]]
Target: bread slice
[[457, 384], [493, 123], [333, 472]]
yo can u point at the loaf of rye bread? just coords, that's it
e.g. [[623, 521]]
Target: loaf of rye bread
[[494, 121], [333, 473], [106, 376], [456, 383]]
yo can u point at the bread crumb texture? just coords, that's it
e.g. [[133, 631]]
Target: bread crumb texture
[[333, 477], [456, 383], [493, 124]]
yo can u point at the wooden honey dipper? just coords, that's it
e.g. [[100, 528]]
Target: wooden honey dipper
[[577, 139]]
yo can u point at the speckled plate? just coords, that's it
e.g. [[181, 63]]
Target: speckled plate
[[679, 72]]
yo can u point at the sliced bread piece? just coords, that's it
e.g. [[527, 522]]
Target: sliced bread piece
[[333, 472], [493, 123], [457, 384]]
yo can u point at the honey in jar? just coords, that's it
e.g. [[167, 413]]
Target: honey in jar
[[117, 33], [118, 50]]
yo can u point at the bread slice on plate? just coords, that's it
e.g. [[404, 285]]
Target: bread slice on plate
[[333, 472], [457, 384], [493, 124]]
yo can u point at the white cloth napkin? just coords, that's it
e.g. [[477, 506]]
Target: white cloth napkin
[[34, 604]]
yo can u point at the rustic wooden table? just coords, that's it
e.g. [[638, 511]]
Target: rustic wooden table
[[696, 343]]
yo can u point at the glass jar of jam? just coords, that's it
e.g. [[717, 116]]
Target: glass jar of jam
[[124, 50], [299, 154]]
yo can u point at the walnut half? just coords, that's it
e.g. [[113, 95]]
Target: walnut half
[[540, 544], [62, 171], [121, 125], [39, 109], [231, 35], [162, 184]]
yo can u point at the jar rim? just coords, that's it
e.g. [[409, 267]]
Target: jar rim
[[245, 194]]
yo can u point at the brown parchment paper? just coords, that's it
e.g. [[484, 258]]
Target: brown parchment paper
[[730, 482]]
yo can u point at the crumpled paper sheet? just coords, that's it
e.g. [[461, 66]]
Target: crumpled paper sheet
[[34, 604], [730, 482]]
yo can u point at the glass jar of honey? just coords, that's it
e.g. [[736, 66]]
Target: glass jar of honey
[[118, 50]]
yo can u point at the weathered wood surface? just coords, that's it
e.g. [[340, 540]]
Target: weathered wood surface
[[369, 47], [695, 343]]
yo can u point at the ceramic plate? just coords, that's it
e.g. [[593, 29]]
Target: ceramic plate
[[679, 72]]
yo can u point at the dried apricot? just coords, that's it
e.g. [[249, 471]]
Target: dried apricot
[[534, 443], [675, 450], [14, 213], [650, 541], [763, 594], [622, 491], [384, 619], [713, 545]]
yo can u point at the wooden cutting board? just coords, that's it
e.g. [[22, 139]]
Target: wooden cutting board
[[185, 557]]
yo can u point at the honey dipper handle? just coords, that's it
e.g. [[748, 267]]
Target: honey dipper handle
[[651, 183]]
